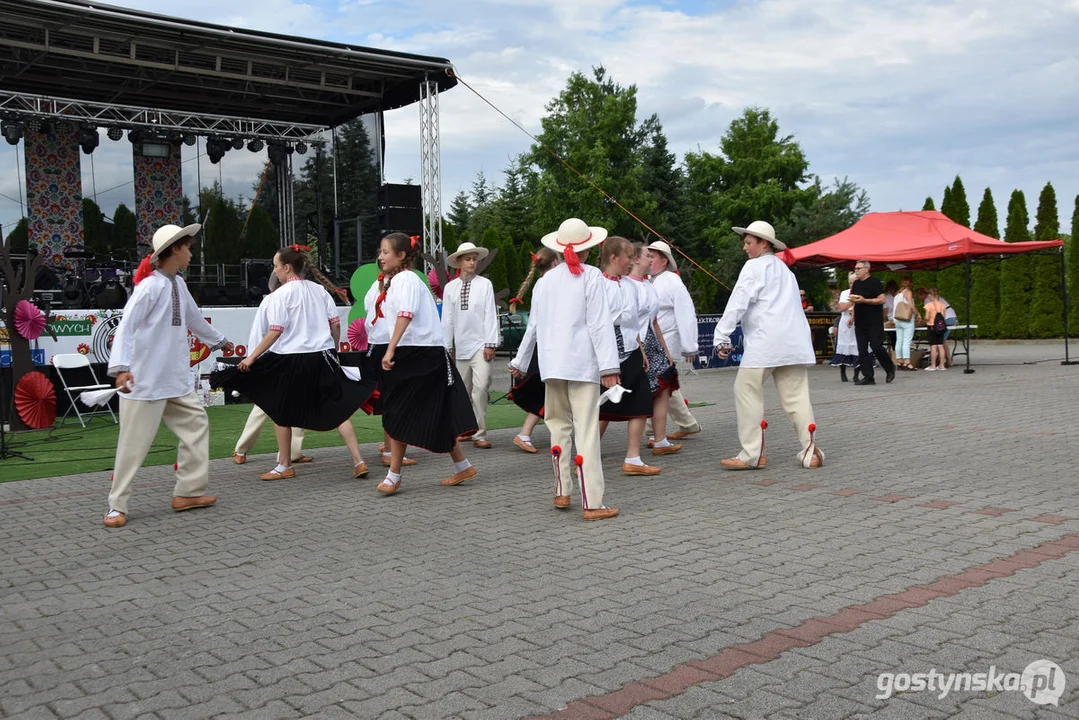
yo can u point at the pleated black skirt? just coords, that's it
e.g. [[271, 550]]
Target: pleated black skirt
[[371, 367], [305, 390], [636, 404], [424, 400], [529, 392]]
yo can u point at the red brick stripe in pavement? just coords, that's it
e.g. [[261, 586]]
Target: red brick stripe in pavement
[[771, 646]]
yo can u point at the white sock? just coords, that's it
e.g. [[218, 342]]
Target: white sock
[[114, 513], [662, 443], [240, 453], [391, 478], [281, 468], [634, 461], [525, 438], [461, 466], [387, 454]]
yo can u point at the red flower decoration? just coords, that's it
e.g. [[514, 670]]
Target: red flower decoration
[[84, 349]]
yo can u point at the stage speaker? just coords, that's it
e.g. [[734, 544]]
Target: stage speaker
[[404, 196], [406, 220]]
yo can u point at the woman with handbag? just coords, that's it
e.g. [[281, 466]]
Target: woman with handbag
[[904, 315]]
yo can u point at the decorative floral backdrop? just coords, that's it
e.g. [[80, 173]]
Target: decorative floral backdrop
[[158, 195], [54, 193]]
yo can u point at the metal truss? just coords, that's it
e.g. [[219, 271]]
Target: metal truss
[[430, 169], [22, 106]]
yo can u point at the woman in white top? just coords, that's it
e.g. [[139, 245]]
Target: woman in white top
[[904, 328], [846, 344], [293, 373], [424, 400]]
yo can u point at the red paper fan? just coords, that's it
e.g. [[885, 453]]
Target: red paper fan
[[29, 320], [357, 334], [35, 400]]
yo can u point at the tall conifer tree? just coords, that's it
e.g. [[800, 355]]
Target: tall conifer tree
[[1072, 257], [985, 276], [1045, 315], [952, 282], [1016, 283]]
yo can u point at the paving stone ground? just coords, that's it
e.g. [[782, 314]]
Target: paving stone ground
[[713, 595]]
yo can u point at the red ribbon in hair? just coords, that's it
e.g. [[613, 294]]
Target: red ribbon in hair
[[379, 300], [415, 240], [299, 248], [535, 257], [145, 269], [516, 301]]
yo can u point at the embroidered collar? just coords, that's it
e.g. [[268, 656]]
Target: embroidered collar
[[634, 277], [294, 278], [616, 278]]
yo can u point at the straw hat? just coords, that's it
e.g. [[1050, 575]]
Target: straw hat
[[167, 235], [665, 249], [467, 248], [762, 230], [574, 236]]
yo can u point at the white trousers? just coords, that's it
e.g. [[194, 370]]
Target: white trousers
[[679, 418], [476, 374], [139, 421], [571, 411], [792, 384], [253, 428]]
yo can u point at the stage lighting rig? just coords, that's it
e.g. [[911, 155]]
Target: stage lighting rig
[[216, 147], [255, 145], [12, 131], [238, 143], [301, 147], [34, 125], [115, 133], [88, 138], [189, 139]]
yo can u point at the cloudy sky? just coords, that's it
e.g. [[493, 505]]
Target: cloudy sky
[[897, 95]]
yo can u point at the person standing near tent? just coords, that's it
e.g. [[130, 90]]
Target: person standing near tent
[[778, 343], [678, 323], [867, 296]]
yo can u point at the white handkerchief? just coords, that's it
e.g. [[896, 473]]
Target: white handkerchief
[[97, 398], [613, 394]]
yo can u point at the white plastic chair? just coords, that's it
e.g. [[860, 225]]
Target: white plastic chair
[[72, 362]]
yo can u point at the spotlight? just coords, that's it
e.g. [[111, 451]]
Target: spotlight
[[11, 130], [33, 125], [237, 143], [175, 139], [277, 152], [63, 127], [134, 136], [216, 147], [88, 138], [301, 147], [255, 145], [115, 133], [188, 139]]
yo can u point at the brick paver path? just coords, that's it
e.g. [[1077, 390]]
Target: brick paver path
[[942, 534]]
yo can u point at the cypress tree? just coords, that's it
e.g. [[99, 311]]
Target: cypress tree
[[929, 204], [1072, 257], [952, 282], [496, 270], [513, 265], [1045, 319], [985, 276], [928, 278], [1016, 283]]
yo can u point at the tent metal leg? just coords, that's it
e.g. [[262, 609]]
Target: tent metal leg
[[1064, 308], [966, 331]]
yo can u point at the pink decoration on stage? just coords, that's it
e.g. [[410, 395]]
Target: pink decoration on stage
[[432, 280], [357, 334], [29, 320]]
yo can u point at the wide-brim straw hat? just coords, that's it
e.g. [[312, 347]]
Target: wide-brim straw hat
[[467, 248], [574, 233], [168, 235], [664, 249], [762, 230]]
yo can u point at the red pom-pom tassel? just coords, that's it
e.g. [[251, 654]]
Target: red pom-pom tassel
[[764, 424], [556, 450], [812, 427], [579, 460]]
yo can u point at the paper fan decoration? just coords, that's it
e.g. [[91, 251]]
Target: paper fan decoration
[[35, 400], [29, 320], [357, 334], [432, 280]]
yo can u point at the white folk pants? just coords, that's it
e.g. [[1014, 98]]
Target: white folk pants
[[476, 374], [253, 427], [139, 421], [792, 384], [679, 418], [571, 411]]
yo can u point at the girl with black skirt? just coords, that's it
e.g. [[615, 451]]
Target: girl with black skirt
[[528, 392], [616, 258], [424, 401], [293, 373]]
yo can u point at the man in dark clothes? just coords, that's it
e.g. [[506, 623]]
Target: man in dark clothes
[[867, 295]]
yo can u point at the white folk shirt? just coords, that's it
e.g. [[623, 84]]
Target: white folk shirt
[[624, 309], [302, 311], [151, 340], [647, 303], [774, 326], [469, 318], [572, 323], [409, 297], [676, 314], [380, 332]]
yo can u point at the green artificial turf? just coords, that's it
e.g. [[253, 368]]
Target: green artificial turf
[[71, 449]]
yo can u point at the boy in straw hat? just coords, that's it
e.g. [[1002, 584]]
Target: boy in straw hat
[[150, 360], [470, 328], [777, 343], [572, 324]]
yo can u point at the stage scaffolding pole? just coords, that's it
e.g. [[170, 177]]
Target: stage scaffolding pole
[[430, 169]]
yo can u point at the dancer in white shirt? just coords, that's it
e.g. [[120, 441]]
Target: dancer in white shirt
[[777, 344], [678, 321], [573, 328], [151, 361], [470, 329]]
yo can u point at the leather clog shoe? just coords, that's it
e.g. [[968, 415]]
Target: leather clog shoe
[[460, 477], [818, 458], [274, 475], [668, 450], [735, 463], [238, 458], [631, 469], [561, 502], [482, 444], [525, 445], [120, 519], [404, 461], [600, 513], [384, 487], [302, 460], [684, 433], [190, 503], [359, 470]]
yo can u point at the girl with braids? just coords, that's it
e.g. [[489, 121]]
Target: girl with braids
[[659, 365], [424, 400], [616, 258], [293, 373], [528, 392]]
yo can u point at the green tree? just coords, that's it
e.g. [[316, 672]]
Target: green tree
[[985, 274], [260, 239], [496, 270], [929, 205], [460, 210], [1072, 258], [1016, 284], [513, 264], [664, 181], [124, 231], [19, 237], [952, 282], [221, 232], [358, 183], [1045, 310], [511, 212], [312, 192], [95, 237]]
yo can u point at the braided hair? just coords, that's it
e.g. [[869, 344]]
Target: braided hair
[[399, 243], [298, 257], [542, 260]]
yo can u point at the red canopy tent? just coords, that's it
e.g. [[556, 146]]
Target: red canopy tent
[[921, 240]]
